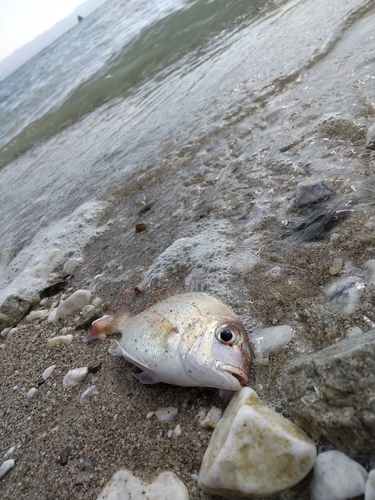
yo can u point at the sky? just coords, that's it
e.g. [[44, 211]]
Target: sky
[[23, 20]]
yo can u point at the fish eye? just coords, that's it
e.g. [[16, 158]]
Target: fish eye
[[228, 334]]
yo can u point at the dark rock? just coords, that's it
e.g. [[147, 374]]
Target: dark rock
[[140, 227], [311, 191], [146, 208], [331, 394], [88, 317], [95, 366], [15, 307], [52, 290], [86, 472], [64, 455]]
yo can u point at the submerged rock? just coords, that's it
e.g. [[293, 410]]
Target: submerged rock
[[344, 294], [337, 477], [311, 191], [15, 307], [254, 451], [124, 485], [331, 394]]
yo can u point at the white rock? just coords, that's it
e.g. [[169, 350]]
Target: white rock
[[370, 486], [61, 339], [5, 332], [254, 451], [47, 372], [344, 294], [337, 477], [370, 264], [166, 414], [177, 430], [74, 377], [87, 394], [42, 313], [74, 303], [31, 393], [212, 418], [124, 485], [9, 452], [6, 466], [270, 340]]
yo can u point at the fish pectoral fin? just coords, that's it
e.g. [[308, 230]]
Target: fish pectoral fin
[[121, 350], [144, 378]]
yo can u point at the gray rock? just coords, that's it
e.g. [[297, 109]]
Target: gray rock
[[15, 307], [311, 191], [370, 138], [331, 394]]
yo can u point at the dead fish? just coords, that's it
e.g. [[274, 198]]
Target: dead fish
[[190, 339]]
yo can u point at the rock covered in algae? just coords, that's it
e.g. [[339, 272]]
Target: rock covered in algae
[[254, 451], [331, 394]]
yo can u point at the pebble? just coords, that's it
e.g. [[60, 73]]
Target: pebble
[[89, 315], [166, 414], [370, 486], [86, 472], [254, 451], [311, 191], [123, 485], [9, 452], [61, 339], [31, 393], [41, 314], [74, 377], [212, 418], [74, 303], [344, 294], [64, 455], [370, 138], [47, 372], [97, 301], [271, 340], [337, 477], [336, 266], [5, 332], [15, 307], [6, 466], [87, 394], [95, 366]]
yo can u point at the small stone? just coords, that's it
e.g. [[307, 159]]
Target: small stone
[[41, 314], [212, 418], [370, 486], [271, 340], [336, 266], [61, 339], [87, 394], [166, 414], [105, 306], [15, 307], [86, 472], [74, 303], [138, 289], [337, 477], [64, 455], [311, 191], [6, 466], [370, 139], [95, 366], [254, 451], [97, 301], [31, 393], [47, 372], [123, 484], [89, 315], [140, 226], [74, 377]]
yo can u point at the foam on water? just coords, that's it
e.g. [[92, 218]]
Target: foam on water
[[49, 248]]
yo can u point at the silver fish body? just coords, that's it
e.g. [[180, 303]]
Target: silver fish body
[[190, 339]]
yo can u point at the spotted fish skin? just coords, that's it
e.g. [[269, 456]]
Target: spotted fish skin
[[189, 339]]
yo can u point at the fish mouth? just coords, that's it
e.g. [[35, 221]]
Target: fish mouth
[[236, 372]]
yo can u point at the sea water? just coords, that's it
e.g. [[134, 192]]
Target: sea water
[[208, 113]]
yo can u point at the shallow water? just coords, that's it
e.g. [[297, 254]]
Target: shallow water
[[200, 123]]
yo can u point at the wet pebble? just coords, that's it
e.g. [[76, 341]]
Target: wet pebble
[[47, 372], [344, 294], [61, 339], [89, 315], [74, 303], [312, 191], [140, 227], [31, 393], [271, 340], [41, 314]]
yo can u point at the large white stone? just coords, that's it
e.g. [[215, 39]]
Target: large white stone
[[370, 486], [254, 451], [74, 303], [124, 486], [337, 477]]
